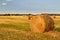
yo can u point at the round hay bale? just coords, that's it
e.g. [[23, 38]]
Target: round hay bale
[[54, 17], [29, 16], [41, 23]]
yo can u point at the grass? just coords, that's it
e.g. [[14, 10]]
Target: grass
[[13, 35], [17, 28], [57, 22], [20, 26]]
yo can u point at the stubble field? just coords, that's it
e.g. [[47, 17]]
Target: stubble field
[[18, 28]]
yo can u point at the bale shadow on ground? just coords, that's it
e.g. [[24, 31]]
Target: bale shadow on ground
[[57, 29]]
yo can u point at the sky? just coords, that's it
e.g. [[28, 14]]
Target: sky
[[29, 6]]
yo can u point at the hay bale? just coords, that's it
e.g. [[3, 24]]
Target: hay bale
[[41, 23], [28, 17]]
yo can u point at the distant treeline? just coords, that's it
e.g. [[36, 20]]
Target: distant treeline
[[12, 14], [52, 14], [15, 14], [26, 14]]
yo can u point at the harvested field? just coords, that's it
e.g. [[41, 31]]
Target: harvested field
[[18, 28]]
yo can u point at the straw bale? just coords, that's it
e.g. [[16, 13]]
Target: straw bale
[[41, 23]]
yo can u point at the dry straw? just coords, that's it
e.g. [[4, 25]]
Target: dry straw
[[41, 23]]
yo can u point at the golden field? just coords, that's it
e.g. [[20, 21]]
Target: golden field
[[18, 28]]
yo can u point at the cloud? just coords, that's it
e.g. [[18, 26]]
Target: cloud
[[8, 0], [4, 3]]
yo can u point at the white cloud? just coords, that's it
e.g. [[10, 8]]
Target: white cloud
[[8, 0], [4, 3]]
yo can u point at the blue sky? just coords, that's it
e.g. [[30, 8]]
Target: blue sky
[[31, 6]]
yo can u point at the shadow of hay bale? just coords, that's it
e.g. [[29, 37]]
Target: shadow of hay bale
[[57, 29]]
